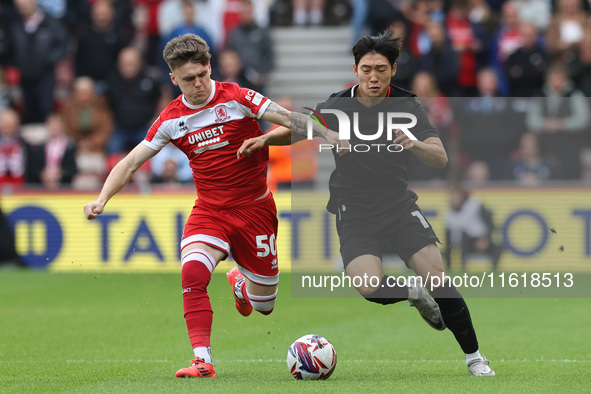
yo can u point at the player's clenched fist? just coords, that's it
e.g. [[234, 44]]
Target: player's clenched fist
[[93, 209]]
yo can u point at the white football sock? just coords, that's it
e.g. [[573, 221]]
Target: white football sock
[[263, 304], [473, 356], [204, 353]]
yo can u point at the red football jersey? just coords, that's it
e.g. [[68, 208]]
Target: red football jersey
[[210, 135]]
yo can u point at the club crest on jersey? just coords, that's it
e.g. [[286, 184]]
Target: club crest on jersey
[[221, 114]]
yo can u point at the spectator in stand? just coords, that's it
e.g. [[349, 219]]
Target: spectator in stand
[[481, 14], [379, 15], [11, 160], [308, 12], [12, 155], [567, 30], [489, 126], [232, 70], [418, 39], [586, 165], [254, 46], [477, 173], [534, 11], [8, 255], [65, 76], [496, 5], [5, 41], [79, 15], [406, 64], [526, 67], [89, 121], [171, 166], [153, 48], [441, 61], [561, 117], [53, 163], [469, 227], [134, 97], [531, 167], [189, 24], [5, 92], [467, 40], [506, 40], [218, 17], [38, 44], [359, 18], [168, 174], [223, 16], [99, 45], [440, 114], [171, 15], [438, 10], [54, 8], [88, 118], [435, 103], [580, 67]]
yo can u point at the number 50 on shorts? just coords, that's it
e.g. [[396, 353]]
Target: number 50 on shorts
[[265, 245]]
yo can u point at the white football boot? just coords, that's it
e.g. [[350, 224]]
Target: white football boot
[[479, 367], [426, 306]]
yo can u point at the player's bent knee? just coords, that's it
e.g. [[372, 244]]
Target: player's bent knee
[[262, 303], [366, 291]]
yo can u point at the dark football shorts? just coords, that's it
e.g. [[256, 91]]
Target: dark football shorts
[[404, 233]]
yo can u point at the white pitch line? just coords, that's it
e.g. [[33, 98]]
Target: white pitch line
[[525, 360], [542, 360]]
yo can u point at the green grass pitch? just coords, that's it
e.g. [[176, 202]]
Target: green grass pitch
[[126, 333]]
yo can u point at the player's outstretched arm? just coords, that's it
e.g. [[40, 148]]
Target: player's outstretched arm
[[119, 177], [431, 151], [278, 136], [297, 123]]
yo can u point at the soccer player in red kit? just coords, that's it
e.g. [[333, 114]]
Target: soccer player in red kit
[[235, 211]]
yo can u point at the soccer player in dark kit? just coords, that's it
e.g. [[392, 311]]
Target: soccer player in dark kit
[[369, 191]]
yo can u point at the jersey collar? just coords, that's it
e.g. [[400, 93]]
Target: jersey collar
[[213, 87]]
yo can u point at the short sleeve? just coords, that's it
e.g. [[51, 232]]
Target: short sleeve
[[158, 135], [254, 103]]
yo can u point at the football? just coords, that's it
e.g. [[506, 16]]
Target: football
[[311, 357]]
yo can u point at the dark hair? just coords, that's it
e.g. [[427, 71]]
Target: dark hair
[[188, 48], [385, 44]]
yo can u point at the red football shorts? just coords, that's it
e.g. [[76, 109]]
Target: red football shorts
[[248, 233]]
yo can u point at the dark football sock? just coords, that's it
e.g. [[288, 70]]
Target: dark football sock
[[388, 292], [456, 316]]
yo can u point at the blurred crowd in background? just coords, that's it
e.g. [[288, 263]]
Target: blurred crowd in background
[[506, 82]]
